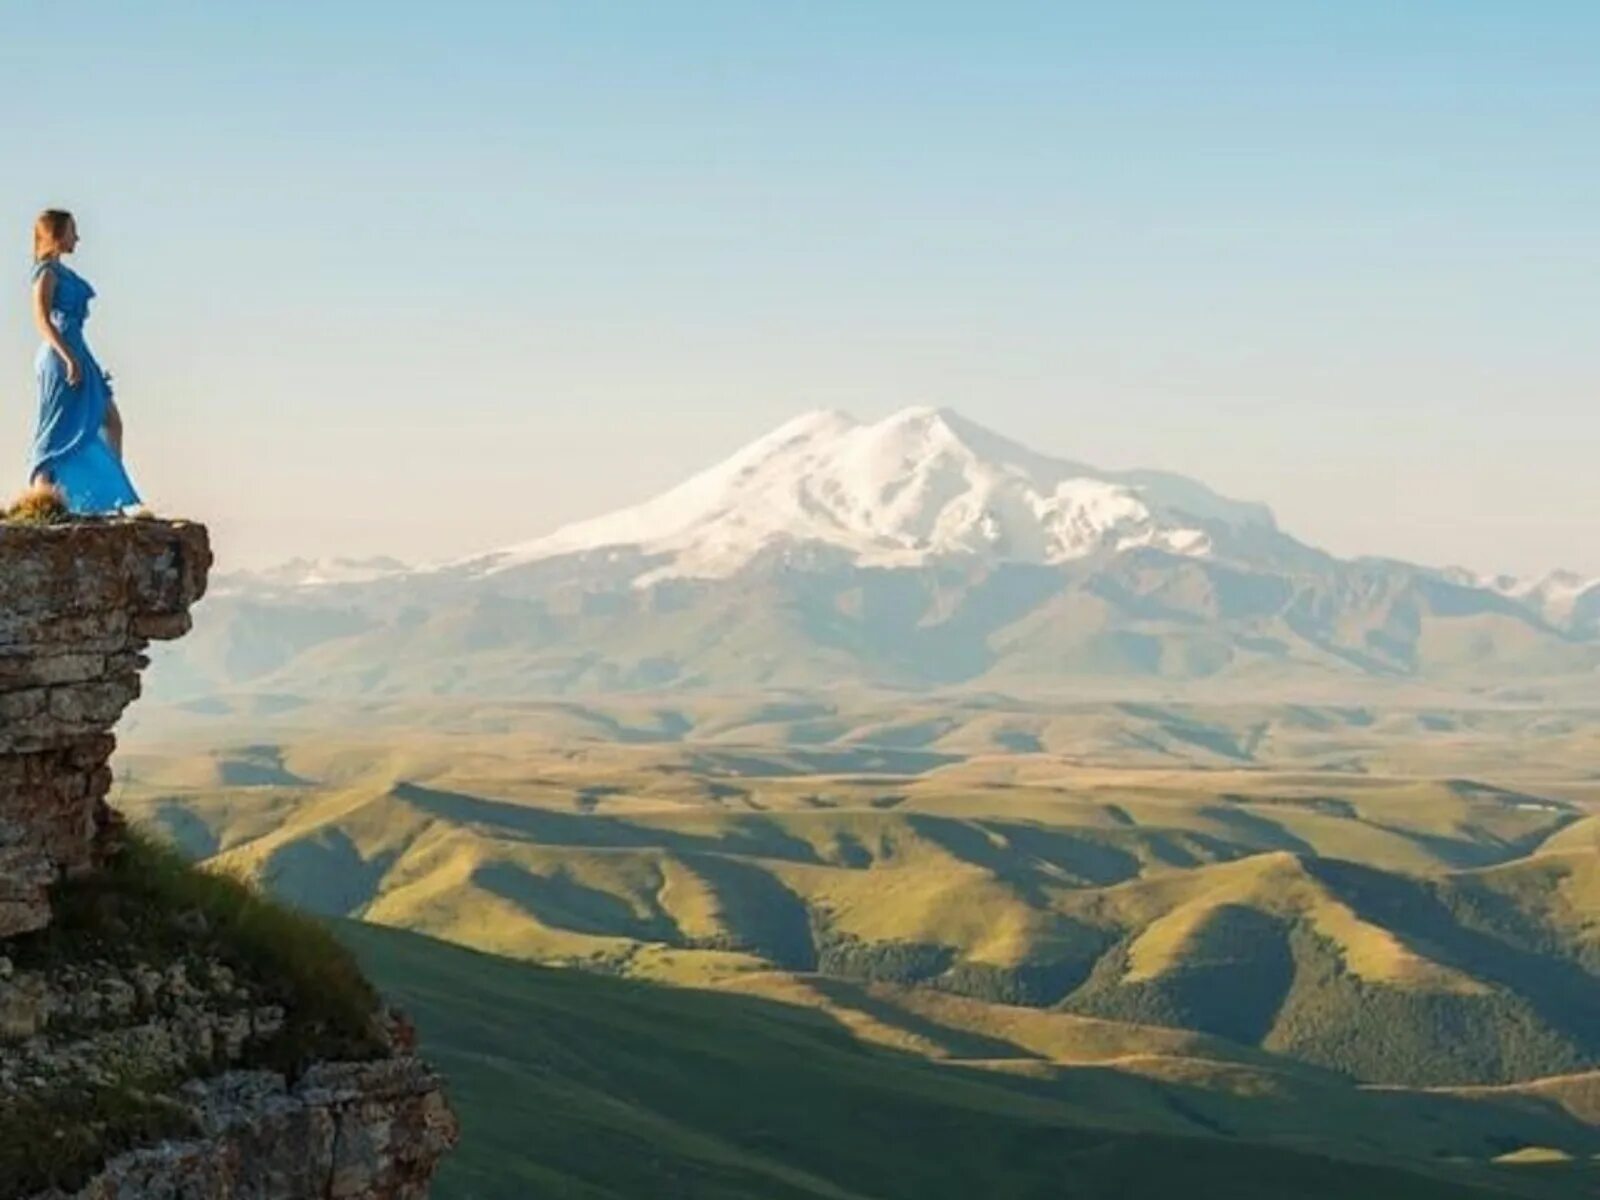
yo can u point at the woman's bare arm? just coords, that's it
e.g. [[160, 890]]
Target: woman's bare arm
[[44, 294]]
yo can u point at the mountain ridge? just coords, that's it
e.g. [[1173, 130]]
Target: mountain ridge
[[1556, 592], [921, 550], [920, 485]]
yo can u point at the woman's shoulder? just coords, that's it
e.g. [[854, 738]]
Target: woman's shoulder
[[65, 277], [54, 266]]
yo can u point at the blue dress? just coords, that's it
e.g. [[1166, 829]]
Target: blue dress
[[70, 449]]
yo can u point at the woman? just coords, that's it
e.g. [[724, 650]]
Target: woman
[[78, 448]]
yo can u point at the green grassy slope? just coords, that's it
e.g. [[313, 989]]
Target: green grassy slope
[[1468, 977], [1230, 903], [111, 1085], [576, 1085], [1322, 929]]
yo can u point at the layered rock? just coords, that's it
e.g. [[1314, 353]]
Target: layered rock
[[160, 1066], [78, 605], [165, 1071], [347, 1131]]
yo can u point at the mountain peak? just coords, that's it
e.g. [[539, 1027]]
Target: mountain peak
[[926, 417], [817, 422], [931, 420], [920, 485]]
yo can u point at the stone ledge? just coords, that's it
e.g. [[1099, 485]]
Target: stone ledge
[[79, 602], [351, 1131]]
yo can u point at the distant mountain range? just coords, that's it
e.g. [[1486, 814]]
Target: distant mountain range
[[919, 551]]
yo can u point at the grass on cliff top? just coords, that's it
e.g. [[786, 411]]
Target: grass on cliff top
[[58, 1138], [41, 504], [151, 906], [44, 504]]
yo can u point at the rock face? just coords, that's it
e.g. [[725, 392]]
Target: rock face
[[184, 1048], [346, 1131], [180, 1037], [78, 605], [100, 1023]]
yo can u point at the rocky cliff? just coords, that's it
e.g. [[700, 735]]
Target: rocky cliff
[[78, 605], [163, 1032]]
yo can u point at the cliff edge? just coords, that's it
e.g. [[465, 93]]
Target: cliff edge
[[163, 1031]]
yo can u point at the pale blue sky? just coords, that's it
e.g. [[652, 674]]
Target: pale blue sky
[[422, 279]]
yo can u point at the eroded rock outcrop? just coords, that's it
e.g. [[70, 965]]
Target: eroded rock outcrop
[[78, 605], [163, 1033], [342, 1130]]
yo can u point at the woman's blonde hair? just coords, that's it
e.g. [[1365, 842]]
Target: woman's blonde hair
[[48, 230]]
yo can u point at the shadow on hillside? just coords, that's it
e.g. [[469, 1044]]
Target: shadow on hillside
[[1470, 927], [1215, 739], [189, 832], [1028, 857], [865, 759], [1254, 830], [671, 725], [950, 1040], [546, 1066], [1234, 975], [750, 835], [558, 901], [326, 873], [758, 912]]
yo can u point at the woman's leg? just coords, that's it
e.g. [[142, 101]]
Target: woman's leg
[[113, 427]]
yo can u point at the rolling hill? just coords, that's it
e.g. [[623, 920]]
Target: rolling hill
[[1395, 927], [1359, 932], [577, 1085]]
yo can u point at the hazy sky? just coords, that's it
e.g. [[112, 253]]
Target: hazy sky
[[426, 278]]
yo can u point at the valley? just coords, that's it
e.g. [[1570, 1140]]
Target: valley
[[1367, 932], [575, 1084]]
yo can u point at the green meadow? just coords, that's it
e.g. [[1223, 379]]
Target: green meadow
[[809, 946], [572, 1084]]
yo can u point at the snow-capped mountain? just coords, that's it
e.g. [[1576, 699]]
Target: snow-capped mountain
[[920, 486], [1561, 597], [310, 572], [922, 550]]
